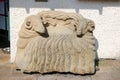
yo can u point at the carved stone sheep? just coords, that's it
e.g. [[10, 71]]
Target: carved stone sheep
[[56, 41]]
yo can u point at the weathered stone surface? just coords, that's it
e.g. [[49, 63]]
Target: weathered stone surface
[[109, 70], [56, 41]]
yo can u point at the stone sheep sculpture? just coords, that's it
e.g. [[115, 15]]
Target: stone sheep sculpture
[[55, 41]]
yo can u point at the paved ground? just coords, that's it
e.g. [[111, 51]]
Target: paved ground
[[109, 70]]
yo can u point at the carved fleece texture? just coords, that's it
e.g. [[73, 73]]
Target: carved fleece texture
[[56, 41]]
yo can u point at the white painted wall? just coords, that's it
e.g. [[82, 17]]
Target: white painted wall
[[106, 16]]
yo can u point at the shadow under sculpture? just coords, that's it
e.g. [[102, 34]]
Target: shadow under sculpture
[[56, 41]]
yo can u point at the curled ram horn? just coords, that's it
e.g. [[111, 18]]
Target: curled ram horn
[[91, 25]]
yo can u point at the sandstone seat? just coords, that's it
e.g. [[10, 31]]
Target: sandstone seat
[[56, 41]]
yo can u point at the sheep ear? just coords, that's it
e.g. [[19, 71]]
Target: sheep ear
[[28, 23]]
